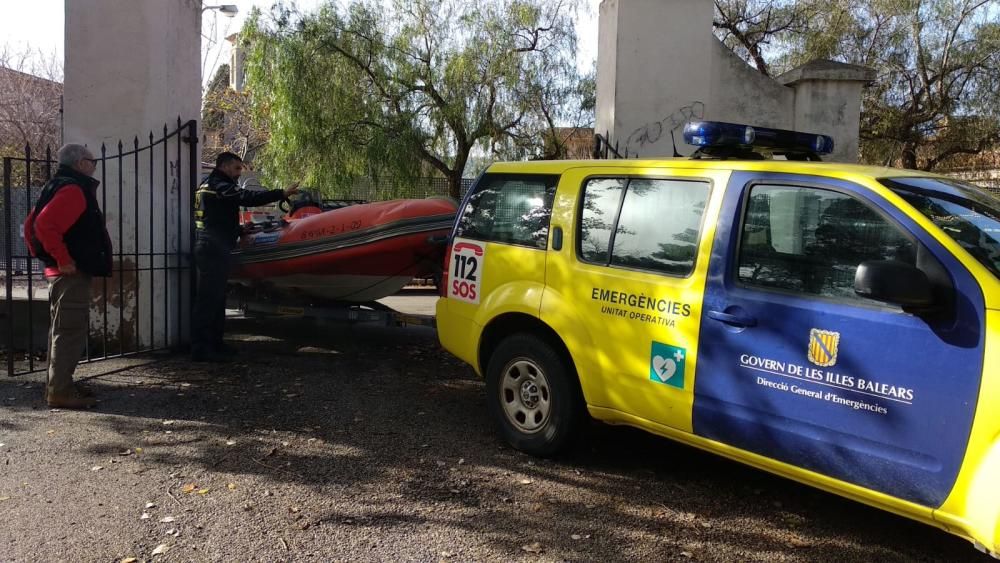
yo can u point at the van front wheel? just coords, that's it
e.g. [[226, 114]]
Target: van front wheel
[[533, 397]]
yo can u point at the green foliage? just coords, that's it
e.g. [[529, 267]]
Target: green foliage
[[936, 95], [212, 114], [409, 88]]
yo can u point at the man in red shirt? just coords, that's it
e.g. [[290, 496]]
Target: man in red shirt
[[66, 231]]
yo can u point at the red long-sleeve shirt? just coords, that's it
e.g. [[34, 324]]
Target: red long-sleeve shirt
[[62, 211]]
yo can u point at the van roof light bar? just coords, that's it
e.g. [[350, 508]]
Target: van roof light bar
[[716, 138]]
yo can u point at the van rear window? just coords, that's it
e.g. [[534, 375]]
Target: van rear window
[[509, 208], [642, 223]]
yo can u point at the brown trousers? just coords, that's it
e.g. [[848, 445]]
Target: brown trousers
[[69, 308]]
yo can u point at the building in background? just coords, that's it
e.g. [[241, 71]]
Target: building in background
[[30, 112]]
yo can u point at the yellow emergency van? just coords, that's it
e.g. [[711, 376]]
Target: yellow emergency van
[[835, 324]]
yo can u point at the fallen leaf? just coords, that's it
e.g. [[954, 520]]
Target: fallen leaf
[[167, 519], [203, 491], [96, 468], [125, 453], [796, 542], [129, 560], [173, 532], [687, 554], [168, 422], [161, 549], [4, 498], [231, 486], [145, 516], [2, 444], [51, 432], [525, 481], [576, 537], [533, 548], [230, 442], [150, 505], [189, 488]]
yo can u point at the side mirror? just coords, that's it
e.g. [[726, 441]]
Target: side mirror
[[894, 282]]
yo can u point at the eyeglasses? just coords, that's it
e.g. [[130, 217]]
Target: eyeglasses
[[93, 161]]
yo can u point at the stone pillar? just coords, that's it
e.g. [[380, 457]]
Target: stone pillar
[[132, 67], [659, 66], [653, 71], [828, 101]]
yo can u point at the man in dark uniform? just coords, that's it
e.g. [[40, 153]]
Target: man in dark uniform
[[217, 207]]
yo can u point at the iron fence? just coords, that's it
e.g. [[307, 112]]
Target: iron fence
[[144, 306]]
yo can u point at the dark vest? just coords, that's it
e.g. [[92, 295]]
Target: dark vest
[[87, 240]]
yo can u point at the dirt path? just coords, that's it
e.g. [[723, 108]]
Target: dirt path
[[371, 444]]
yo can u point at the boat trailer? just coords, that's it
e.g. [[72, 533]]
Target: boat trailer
[[260, 305]]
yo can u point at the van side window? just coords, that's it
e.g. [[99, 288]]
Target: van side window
[[510, 208], [647, 224], [811, 240], [601, 202]]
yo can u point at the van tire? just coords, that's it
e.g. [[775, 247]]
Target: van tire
[[533, 396]]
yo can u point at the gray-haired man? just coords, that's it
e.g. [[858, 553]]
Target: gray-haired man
[[66, 231]]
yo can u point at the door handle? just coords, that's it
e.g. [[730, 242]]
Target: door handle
[[732, 320]]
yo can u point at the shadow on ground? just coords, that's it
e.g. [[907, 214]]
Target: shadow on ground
[[377, 435]]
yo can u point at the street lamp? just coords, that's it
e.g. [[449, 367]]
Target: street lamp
[[228, 10]]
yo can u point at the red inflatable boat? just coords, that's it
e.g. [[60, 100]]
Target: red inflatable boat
[[356, 253]]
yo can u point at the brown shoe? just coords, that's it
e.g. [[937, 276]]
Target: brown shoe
[[70, 401]]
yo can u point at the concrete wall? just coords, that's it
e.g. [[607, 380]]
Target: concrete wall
[[649, 37], [659, 66], [828, 100], [131, 67]]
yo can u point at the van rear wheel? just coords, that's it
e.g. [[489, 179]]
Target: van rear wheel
[[533, 396]]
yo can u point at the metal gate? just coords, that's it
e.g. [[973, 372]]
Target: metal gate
[[144, 306]]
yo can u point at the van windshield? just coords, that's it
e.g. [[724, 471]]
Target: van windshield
[[967, 213]]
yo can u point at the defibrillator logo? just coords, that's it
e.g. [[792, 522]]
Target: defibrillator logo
[[666, 364], [823, 346]]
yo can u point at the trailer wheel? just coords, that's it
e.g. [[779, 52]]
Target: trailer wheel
[[533, 396]]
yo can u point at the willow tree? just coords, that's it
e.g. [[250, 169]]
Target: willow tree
[[409, 88]]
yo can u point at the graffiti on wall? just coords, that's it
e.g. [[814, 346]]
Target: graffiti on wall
[[652, 132]]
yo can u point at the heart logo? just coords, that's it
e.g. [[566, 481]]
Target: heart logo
[[665, 368]]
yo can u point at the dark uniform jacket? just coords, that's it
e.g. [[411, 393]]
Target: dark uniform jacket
[[217, 207]]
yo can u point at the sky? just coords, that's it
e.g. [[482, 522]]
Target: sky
[[38, 25]]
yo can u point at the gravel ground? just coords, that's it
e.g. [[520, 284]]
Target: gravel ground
[[336, 443]]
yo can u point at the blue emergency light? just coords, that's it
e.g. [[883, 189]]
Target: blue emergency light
[[716, 134]]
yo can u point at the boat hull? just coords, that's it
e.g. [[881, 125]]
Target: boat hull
[[358, 253]]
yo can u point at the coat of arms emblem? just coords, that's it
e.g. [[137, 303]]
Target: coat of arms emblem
[[823, 345]]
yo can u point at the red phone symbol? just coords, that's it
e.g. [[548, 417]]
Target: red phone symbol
[[474, 247]]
